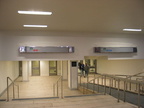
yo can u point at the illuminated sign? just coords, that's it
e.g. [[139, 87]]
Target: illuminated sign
[[115, 49], [47, 49]]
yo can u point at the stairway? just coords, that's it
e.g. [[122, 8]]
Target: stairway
[[89, 101]]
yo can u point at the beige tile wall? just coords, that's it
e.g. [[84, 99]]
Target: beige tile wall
[[7, 69]]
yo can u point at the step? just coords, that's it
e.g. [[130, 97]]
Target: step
[[34, 98], [88, 101], [2, 99]]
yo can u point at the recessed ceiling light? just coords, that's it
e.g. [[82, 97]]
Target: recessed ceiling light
[[44, 26], [35, 12], [132, 29]]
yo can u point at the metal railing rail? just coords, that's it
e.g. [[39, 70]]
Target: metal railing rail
[[56, 87], [138, 74], [134, 77], [12, 82], [128, 76], [128, 81], [112, 81], [84, 88], [94, 81]]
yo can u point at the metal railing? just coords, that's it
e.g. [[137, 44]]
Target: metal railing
[[57, 87], [85, 85], [124, 83], [13, 84]]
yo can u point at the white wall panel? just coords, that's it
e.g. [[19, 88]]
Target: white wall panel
[[82, 42], [44, 68]]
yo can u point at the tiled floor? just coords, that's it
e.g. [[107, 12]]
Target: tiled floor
[[43, 87], [40, 86]]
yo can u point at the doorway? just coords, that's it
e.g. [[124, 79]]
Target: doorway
[[52, 68], [35, 68], [20, 68], [92, 63]]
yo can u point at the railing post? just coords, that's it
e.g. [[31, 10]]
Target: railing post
[[115, 83], [83, 87], [105, 84], [138, 95], [110, 86], [13, 84], [130, 83], [57, 88], [87, 81], [125, 90], [112, 82], [102, 81], [13, 92], [118, 89], [18, 92], [136, 85], [93, 85], [80, 80], [86, 88], [98, 84], [7, 90], [143, 88], [53, 89], [61, 87]]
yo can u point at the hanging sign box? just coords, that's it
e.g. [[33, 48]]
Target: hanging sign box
[[46, 49], [115, 49]]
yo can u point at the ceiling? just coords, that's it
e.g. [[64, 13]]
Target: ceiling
[[106, 16]]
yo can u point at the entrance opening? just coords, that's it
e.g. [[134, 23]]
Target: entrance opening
[[35, 68], [20, 68], [52, 68], [92, 63]]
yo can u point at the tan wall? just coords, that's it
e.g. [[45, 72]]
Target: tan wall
[[8, 69], [128, 67]]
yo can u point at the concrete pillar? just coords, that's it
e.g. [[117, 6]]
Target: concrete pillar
[[25, 71], [73, 75], [65, 70]]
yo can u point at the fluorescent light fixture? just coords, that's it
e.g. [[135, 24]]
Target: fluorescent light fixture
[[35, 12], [35, 26], [132, 29]]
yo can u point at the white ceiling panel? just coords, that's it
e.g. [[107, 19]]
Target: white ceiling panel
[[106, 16]]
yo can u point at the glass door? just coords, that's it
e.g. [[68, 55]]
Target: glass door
[[35, 68], [52, 68]]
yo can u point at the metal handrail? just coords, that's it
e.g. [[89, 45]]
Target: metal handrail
[[57, 87], [12, 82], [139, 84], [127, 76], [136, 75], [84, 87], [96, 77]]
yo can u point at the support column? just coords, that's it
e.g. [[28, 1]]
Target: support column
[[73, 75], [25, 71], [65, 70]]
